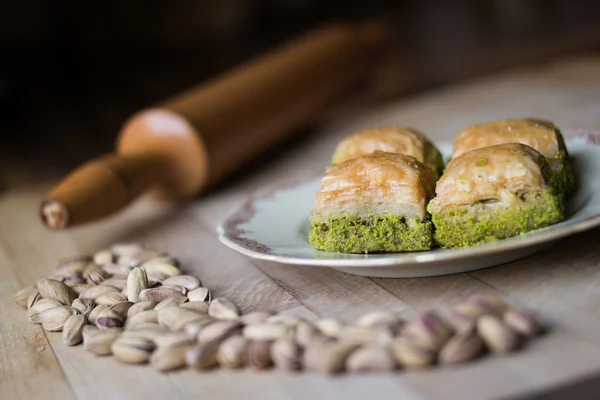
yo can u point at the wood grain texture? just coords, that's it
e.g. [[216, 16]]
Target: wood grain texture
[[560, 284]]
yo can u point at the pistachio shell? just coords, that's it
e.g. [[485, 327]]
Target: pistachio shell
[[370, 359], [410, 355], [33, 314], [121, 308], [169, 358], [258, 354], [93, 315], [200, 294], [139, 307], [256, 317], [223, 308], [103, 257], [21, 296], [132, 350], [232, 352], [53, 319], [198, 306], [171, 302], [137, 281], [176, 318], [202, 356], [110, 298], [94, 292], [218, 330], [498, 337], [187, 281], [158, 294], [141, 317], [51, 289], [286, 354], [330, 327], [267, 331], [73, 330]]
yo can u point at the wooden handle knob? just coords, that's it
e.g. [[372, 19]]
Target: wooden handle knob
[[100, 188]]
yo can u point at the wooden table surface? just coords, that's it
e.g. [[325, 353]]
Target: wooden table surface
[[562, 284]]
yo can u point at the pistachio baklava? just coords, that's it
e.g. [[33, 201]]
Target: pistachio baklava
[[374, 203], [539, 134], [492, 193], [391, 139]]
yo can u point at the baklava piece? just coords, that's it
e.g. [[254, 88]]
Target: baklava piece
[[493, 193], [541, 135], [391, 139], [374, 203]]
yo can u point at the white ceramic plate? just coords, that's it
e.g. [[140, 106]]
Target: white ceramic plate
[[273, 225]]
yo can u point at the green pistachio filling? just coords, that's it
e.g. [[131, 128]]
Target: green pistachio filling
[[476, 224], [377, 233], [564, 178]]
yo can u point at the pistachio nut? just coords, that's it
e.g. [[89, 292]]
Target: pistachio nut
[[99, 342], [258, 354], [370, 359], [94, 292], [428, 330], [93, 315], [256, 317], [53, 319], [217, 331], [141, 317], [109, 319], [327, 356], [33, 314], [132, 350], [102, 257], [330, 327], [110, 298], [232, 352], [267, 331], [498, 337], [33, 297], [141, 306], [158, 294], [21, 296], [186, 281], [119, 283], [286, 354], [198, 306], [176, 318], [51, 289], [72, 333], [172, 302], [121, 308], [83, 306], [223, 308], [169, 358], [410, 355], [137, 281], [462, 347], [202, 356], [522, 322], [200, 294]]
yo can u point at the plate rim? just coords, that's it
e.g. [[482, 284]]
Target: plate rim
[[399, 259]]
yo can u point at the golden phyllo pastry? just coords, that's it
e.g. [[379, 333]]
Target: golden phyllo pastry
[[493, 193], [541, 135], [391, 139], [373, 203]]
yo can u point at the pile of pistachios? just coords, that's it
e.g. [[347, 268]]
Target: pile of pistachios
[[134, 303]]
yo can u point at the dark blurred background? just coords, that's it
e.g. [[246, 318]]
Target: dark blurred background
[[73, 71]]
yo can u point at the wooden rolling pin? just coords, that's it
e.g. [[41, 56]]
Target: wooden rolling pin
[[195, 139]]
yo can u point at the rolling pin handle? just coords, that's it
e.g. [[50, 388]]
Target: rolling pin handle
[[99, 188]]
